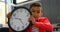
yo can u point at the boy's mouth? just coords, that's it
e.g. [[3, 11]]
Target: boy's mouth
[[35, 17]]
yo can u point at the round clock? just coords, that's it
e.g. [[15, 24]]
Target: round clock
[[19, 20]]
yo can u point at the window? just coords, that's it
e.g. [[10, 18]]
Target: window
[[19, 1], [2, 12]]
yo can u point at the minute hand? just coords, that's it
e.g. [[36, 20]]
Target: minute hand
[[21, 20]]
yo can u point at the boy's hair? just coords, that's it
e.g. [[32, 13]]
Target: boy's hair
[[35, 4]]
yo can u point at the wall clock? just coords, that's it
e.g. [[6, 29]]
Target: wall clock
[[19, 20]]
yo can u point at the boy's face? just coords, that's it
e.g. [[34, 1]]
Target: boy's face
[[36, 11]]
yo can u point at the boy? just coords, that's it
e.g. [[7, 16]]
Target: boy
[[40, 24]]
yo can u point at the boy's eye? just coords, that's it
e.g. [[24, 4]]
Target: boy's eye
[[38, 11], [33, 11]]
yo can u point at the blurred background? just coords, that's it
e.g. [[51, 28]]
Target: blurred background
[[50, 9]]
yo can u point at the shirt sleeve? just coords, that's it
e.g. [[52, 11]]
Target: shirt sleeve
[[45, 24]]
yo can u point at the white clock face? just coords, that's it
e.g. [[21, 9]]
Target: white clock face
[[19, 19]]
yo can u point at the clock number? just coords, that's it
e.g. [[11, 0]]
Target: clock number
[[20, 10], [11, 23], [23, 27], [26, 24], [17, 28], [27, 15], [14, 26], [14, 15]]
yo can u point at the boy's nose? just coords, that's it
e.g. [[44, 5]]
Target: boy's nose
[[36, 15]]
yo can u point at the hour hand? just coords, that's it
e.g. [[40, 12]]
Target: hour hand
[[20, 20]]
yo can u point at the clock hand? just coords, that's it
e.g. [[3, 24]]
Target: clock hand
[[20, 20]]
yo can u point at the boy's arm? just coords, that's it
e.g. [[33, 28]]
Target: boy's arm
[[44, 25]]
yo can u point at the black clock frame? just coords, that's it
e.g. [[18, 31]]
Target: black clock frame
[[12, 13]]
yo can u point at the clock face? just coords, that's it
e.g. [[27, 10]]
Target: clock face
[[19, 19]]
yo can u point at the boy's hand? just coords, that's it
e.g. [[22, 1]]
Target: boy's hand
[[8, 15], [32, 19]]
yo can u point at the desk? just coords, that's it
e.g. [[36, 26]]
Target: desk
[[4, 29], [56, 28]]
